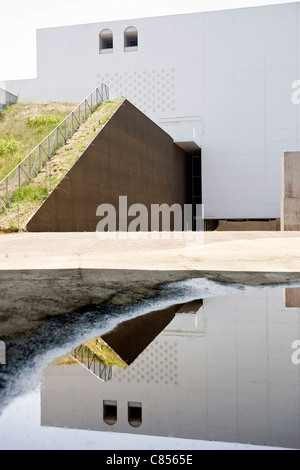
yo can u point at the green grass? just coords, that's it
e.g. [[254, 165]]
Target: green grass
[[104, 353], [23, 126], [29, 197], [101, 351], [28, 193], [42, 124], [8, 145], [38, 121]]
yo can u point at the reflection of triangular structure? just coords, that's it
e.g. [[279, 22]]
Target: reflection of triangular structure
[[191, 307], [130, 338], [121, 346]]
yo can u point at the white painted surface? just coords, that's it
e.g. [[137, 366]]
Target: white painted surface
[[186, 132], [234, 68]]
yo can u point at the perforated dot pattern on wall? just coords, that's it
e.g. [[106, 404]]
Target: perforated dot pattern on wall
[[158, 364], [151, 91]]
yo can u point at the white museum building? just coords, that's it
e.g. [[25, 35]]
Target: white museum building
[[222, 82]]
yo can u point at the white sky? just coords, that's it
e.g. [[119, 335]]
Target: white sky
[[19, 20]]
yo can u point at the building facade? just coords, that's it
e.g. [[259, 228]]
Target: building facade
[[220, 81]]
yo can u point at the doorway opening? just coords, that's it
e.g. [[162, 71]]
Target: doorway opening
[[194, 186]]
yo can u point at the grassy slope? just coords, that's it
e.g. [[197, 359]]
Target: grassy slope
[[30, 197], [23, 126]]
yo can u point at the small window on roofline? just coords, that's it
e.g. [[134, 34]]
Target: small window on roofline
[[106, 41], [131, 41]]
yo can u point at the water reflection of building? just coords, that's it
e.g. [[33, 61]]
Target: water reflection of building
[[224, 373]]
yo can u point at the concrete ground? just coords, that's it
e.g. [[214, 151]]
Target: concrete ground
[[56, 273]]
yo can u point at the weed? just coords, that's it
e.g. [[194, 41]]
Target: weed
[[39, 121], [8, 145], [39, 129], [29, 193], [23, 126]]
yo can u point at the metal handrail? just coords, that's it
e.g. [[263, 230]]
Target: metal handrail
[[91, 362], [33, 163]]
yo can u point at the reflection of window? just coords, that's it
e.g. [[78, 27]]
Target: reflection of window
[[135, 414], [106, 41], [131, 39], [110, 412]]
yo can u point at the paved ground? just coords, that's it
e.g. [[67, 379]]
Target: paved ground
[[51, 274], [238, 251]]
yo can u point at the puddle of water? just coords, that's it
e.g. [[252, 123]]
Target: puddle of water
[[216, 365]]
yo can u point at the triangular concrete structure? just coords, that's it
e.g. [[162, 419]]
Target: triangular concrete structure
[[131, 156]]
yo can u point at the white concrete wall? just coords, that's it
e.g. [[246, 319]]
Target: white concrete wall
[[233, 68]]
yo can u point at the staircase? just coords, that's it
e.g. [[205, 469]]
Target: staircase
[[36, 160]]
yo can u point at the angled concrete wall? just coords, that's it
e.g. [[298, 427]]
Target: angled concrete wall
[[290, 206], [6, 98], [131, 156]]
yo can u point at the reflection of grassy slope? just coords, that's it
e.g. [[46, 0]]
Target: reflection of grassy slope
[[97, 347], [64, 361], [104, 353]]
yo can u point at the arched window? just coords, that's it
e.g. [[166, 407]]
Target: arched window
[[110, 414], [131, 40], [135, 414], [106, 41]]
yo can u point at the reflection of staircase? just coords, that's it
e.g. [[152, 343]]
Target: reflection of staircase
[[85, 357]]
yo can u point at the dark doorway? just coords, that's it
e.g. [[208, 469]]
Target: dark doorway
[[194, 180]]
